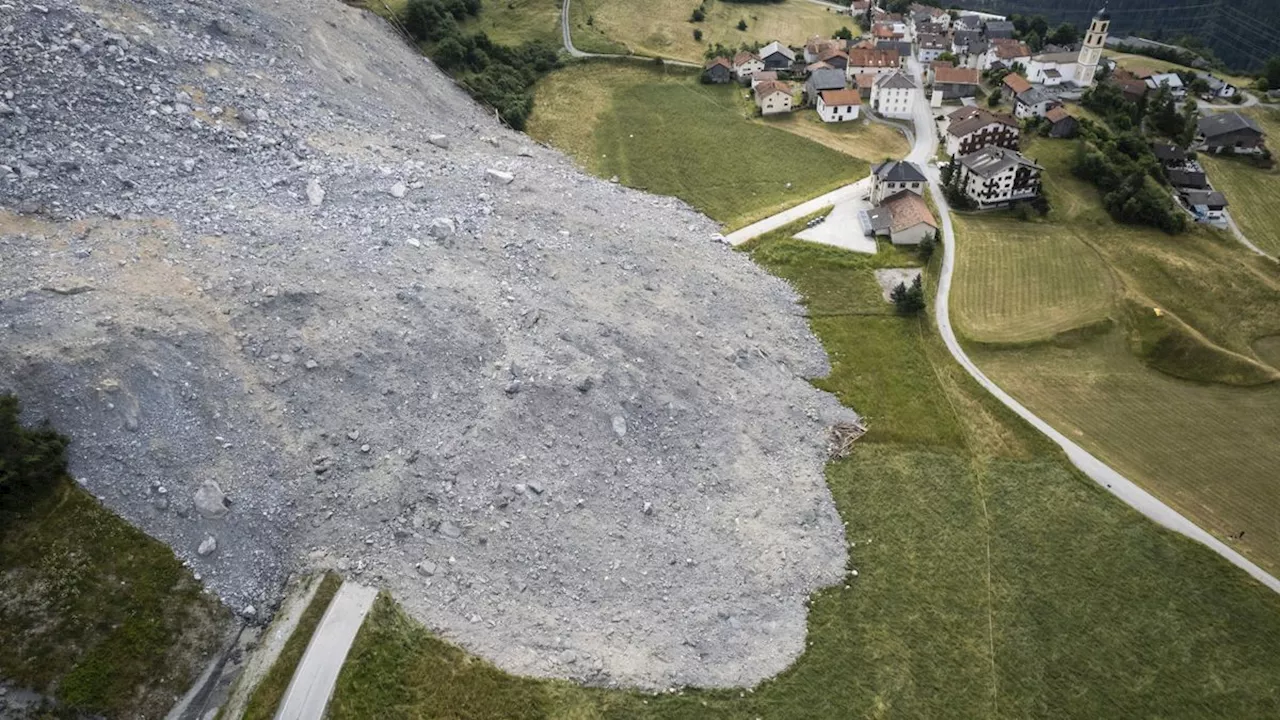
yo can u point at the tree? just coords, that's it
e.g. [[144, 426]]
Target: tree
[[1064, 34], [1271, 72], [843, 33], [698, 15], [929, 244], [908, 301], [947, 56], [995, 97], [742, 24], [1032, 39], [697, 35]]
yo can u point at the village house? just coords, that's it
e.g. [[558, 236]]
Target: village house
[[763, 76], [822, 79], [1189, 178], [1013, 83], [1229, 132], [816, 45], [1206, 205], [931, 46], [718, 71], [835, 57], [872, 61], [1033, 103], [894, 95], [777, 56], [773, 97], [745, 65], [902, 47], [864, 83], [1171, 80], [839, 105], [809, 69], [996, 176], [910, 220], [1009, 52], [998, 29], [1131, 86], [965, 41], [954, 82], [970, 129], [1218, 89], [885, 31], [892, 176], [967, 21], [1061, 124]]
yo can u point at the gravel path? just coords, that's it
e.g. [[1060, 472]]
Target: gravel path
[[567, 38]]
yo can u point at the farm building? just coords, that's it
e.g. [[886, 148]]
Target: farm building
[[910, 220], [1229, 132], [773, 97], [718, 71]]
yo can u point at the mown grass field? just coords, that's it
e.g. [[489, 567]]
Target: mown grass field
[[1253, 193], [862, 139], [1207, 447], [993, 580], [97, 614], [661, 28], [662, 131]]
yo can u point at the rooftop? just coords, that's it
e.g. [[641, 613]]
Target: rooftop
[[976, 121], [991, 161], [908, 210], [960, 76], [1222, 123], [898, 171], [840, 97]]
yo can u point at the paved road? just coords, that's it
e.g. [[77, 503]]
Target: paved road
[[312, 682], [922, 153], [773, 222]]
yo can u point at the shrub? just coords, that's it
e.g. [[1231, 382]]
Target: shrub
[[742, 24], [697, 35], [928, 245], [698, 15], [843, 33], [995, 97], [31, 459]]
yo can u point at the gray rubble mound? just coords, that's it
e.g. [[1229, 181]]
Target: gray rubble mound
[[302, 303]]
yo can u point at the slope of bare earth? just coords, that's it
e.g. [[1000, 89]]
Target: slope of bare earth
[[550, 415]]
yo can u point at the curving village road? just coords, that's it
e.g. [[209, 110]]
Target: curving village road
[[923, 150]]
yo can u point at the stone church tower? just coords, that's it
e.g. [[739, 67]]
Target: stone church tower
[[1091, 52]]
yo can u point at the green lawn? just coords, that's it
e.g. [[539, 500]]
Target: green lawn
[[664, 132], [993, 581], [266, 697], [97, 614]]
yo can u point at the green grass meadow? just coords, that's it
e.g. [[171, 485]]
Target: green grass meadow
[[97, 614], [1176, 387], [1252, 192], [993, 580], [661, 131]]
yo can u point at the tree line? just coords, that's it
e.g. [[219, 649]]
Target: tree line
[[500, 76]]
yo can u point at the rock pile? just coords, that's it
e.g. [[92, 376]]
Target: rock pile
[[300, 302]]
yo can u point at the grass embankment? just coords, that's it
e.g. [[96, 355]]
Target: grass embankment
[[266, 697], [1251, 191], [993, 580], [661, 28], [1205, 446], [95, 613], [662, 131], [861, 139]]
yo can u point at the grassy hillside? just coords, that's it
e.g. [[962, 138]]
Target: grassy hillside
[[661, 28], [664, 132], [1205, 446], [92, 611], [992, 581]]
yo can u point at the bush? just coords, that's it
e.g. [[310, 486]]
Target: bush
[[742, 24], [908, 301], [928, 245], [698, 15], [697, 35], [31, 459], [843, 33], [995, 97]]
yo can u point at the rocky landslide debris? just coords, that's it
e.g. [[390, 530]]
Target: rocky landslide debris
[[299, 302]]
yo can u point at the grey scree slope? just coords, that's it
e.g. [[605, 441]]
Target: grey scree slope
[[561, 425]]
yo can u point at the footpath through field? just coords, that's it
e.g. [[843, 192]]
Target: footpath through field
[[567, 38], [312, 684], [922, 153]]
